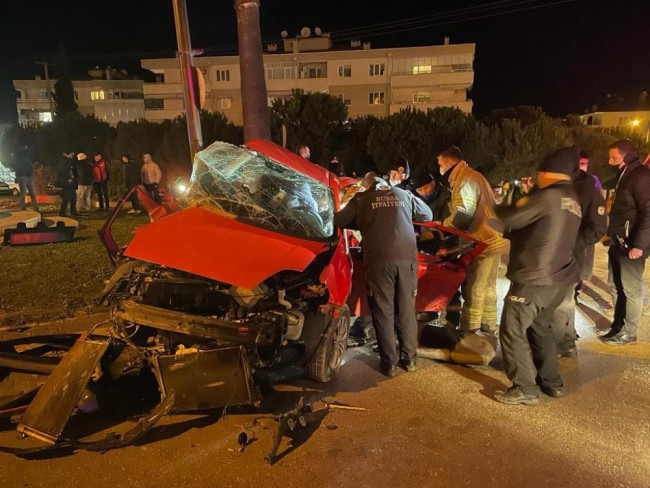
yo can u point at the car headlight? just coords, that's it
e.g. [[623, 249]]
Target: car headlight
[[181, 187]]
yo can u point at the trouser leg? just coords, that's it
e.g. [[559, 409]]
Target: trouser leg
[[563, 321], [381, 298], [479, 294], [97, 188], [105, 193], [32, 193], [631, 274], [87, 197], [542, 340], [406, 324], [616, 289], [135, 201], [65, 200]]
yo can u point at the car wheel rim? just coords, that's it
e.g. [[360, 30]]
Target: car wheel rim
[[340, 341]]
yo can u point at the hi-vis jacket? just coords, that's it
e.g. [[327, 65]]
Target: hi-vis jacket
[[471, 205]]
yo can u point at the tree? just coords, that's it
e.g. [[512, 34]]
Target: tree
[[351, 146], [525, 114], [312, 119], [64, 100]]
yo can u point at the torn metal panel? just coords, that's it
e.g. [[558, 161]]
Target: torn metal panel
[[207, 379], [49, 412]]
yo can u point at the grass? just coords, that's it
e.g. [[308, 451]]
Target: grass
[[50, 281]]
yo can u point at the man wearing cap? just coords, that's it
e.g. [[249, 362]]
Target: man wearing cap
[[542, 228], [399, 175], [471, 205], [385, 216], [629, 234]]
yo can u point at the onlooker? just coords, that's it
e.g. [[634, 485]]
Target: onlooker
[[472, 204], [629, 234], [85, 183], [437, 196], [100, 181], [584, 166], [24, 172], [66, 178], [304, 152], [336, 167], [132, 177], [543, 228], [385, 216], [151, 176], [399, 175]]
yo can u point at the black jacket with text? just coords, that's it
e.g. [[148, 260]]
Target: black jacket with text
[[543, 228], [385, 218]]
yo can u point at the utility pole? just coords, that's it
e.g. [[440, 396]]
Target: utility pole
[[46, 66], [251, 64], [190, 96]]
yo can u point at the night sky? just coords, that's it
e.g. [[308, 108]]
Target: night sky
[[563, 57]]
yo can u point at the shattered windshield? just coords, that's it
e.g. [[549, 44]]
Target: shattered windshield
[[261, 191]]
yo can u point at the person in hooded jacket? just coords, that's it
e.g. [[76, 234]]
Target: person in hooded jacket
[[100, 180], [24, 164], [629, 235], [85, 183]]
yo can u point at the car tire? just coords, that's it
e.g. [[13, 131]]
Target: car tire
[[328, 356]]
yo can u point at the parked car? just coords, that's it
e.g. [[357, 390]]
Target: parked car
[[9, 189]]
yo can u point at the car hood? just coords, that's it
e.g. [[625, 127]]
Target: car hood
[[218, 247]]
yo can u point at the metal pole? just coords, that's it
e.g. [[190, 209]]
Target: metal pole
[[192, 115], [251, 64]]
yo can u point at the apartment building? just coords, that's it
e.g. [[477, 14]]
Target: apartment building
[[375, 82], [609, 119], [109, 99]]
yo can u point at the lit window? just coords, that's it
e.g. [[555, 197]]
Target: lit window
[[345, 71], [421, 97], [223, 75], [345, 97], [43, 95], [376, 98], [377, 69], [421, 69], [223, 103], [97, 95], [45, 116]]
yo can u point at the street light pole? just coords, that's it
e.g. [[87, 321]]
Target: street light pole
[[46, 66], [190, 96]]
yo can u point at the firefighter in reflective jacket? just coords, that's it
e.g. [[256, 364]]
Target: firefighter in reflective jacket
[[543, 227], [385, 216]]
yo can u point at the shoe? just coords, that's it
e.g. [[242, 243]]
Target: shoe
[[571, 352], [619, 339], [410, 365], [607, 333], [133, 212], [387, 369], [552, 392], [514, 396]]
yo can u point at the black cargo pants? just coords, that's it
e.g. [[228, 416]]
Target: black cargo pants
[[392, 286], [527, 339]]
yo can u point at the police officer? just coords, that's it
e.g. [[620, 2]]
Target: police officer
[[629, 233], [385, 216], [543, 227], [592, 228]]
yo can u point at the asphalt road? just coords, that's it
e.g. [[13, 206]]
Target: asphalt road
[[438, 426]]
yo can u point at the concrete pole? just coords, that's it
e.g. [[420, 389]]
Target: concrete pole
[[251, 64], [192, 115], [46, 66]]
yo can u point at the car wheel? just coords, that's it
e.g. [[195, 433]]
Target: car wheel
[[328, 357], [15, 192]]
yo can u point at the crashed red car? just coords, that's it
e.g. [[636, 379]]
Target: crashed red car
[[242, 281]]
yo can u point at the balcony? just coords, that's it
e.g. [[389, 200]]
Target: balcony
[[152, 90], [464, 105], [449, 79]]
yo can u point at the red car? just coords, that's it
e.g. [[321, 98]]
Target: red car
[[244, 281]]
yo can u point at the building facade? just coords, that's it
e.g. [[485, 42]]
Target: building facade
[[109, 100], [611, 119], [375, 82]]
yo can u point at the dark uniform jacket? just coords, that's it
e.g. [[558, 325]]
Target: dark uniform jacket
[[66, 174], [131, 174], [594, 221], [543, 230], [629, 218], [23, 163], [85, 171], [385, 218]]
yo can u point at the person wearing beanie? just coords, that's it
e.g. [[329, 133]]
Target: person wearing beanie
[[85, 186], [542, 228], [629, 234], [471, 206]]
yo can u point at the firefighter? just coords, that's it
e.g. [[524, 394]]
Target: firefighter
[[385, 216], [542, 228]]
